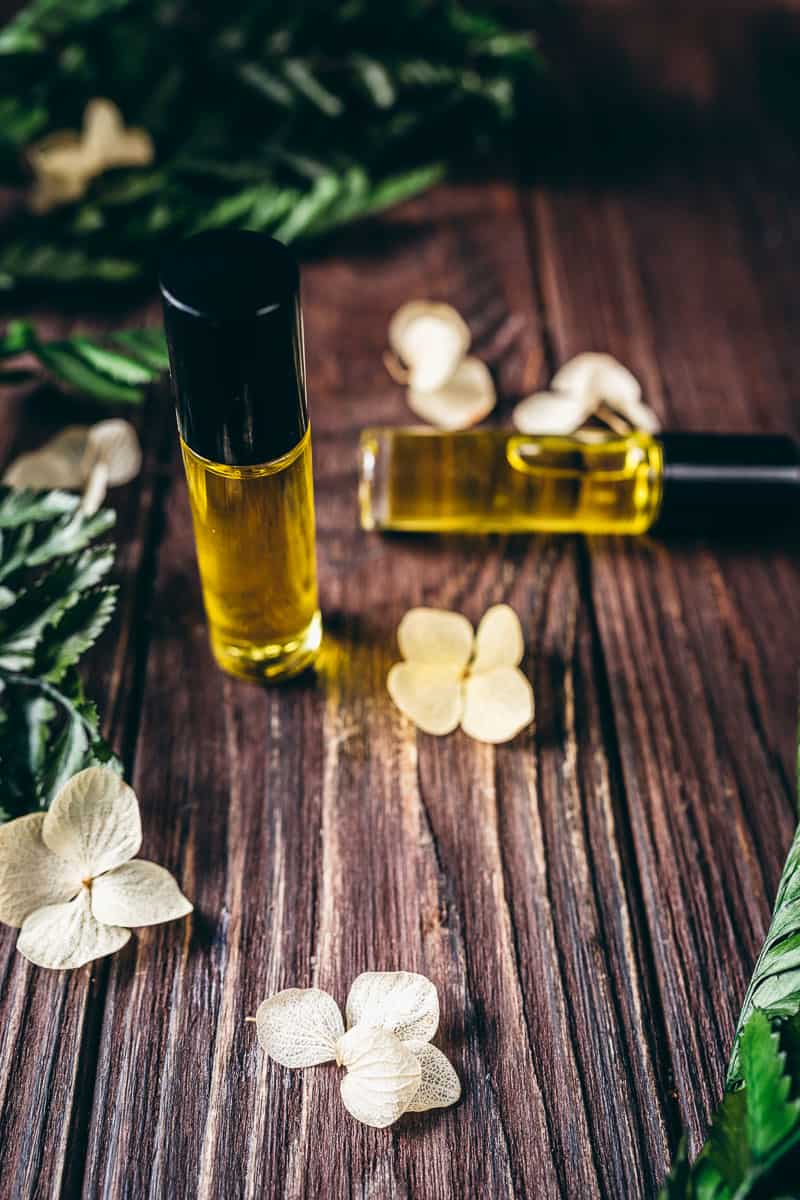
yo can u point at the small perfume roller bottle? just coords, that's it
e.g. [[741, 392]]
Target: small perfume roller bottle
[[488, 480], [234, 327]]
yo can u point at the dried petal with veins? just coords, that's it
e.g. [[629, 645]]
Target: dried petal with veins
[[383, 1076], [401, 1001], [439, 1085], [299, 1027], [67, 880], [68, 935]]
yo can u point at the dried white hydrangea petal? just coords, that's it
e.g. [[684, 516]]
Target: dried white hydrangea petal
[[498, 641], [31, 876], [94, 822], [383, 1076], [497, 704], [299, 1027], [554, 413], [138, 893], [65, 936], [638, 414], [439, 1085], [116, 444], [64, 162], [464, 399], [602, 378], [113, 456], [41, 470], [430, 696], [107, 454], [429, 635], [108, 143], [431, 340], [403, 1002]]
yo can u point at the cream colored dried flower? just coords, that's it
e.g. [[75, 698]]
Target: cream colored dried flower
[[446, 386], [67, 881], [391, 1066], [64, 163], [589, 385], [91, 458], [452, 676]]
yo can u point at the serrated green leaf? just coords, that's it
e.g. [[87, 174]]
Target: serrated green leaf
[[30, 508], [771, 1114], [69, 535], [775, 983], [58, 607], [727, 1154], [78, 629]]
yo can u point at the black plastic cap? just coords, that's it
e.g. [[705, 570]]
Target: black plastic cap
[[729, 482], [235, 332]]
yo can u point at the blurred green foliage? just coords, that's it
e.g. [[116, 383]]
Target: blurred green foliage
[[292, 118]]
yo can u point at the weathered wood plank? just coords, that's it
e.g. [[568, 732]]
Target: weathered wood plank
[[697, 640], [321, 837], [47, 1018]]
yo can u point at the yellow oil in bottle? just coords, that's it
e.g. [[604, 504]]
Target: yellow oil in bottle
[[482, 481], [254, 529]]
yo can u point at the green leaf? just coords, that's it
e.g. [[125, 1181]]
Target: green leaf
[[775, 983], [727, 1156], [100, 373], [78, 629], [148, 345], [71, 367], [333, 92], [771, 1115], [108, 362], [55, 605], [19, 337]]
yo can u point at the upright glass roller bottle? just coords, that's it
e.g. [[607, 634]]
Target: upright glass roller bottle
[[234, 326]]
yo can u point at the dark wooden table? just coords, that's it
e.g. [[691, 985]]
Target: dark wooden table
[[590, 898]]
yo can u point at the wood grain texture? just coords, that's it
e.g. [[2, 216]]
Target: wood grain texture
[[588, 899]]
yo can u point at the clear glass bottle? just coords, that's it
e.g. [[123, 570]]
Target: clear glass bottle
[[493, 481], [232, 315]]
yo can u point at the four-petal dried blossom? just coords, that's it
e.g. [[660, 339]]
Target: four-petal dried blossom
[[451, 676], [69, 880], [391, 1066]]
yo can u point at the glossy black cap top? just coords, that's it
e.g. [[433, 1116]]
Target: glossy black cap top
[[235, 332]]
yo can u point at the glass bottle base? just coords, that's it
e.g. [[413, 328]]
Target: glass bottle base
[[273, 661]]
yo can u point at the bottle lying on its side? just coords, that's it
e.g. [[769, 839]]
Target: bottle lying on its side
[[493, 481]]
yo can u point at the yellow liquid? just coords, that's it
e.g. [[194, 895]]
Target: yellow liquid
[[254, 530], [483, 481]]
